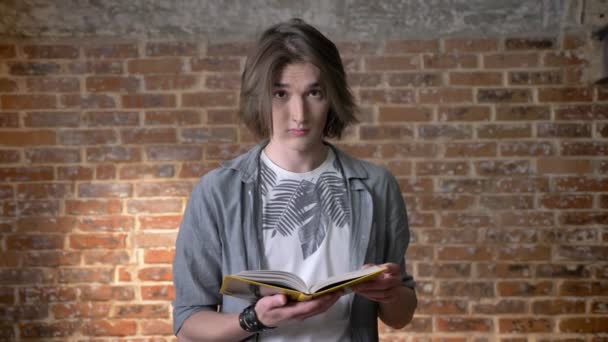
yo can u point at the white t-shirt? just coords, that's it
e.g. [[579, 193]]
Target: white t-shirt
[[306, 225]]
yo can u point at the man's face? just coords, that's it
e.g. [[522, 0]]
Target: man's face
[[299, 108]]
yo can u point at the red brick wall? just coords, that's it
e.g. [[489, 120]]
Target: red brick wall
[[499, 145]]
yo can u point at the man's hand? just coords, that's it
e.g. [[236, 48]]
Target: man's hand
[[276, 310], [384, 288]]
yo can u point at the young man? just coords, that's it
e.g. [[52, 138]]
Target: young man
[[293, 203]]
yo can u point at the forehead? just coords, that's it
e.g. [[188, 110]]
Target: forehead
[[298, 74]]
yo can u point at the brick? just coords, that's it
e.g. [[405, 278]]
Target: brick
[[570, 94], [45, 224], [463, 324], [411, 79], [505, 306], [155, 66], [116, 154], [572, 235], [411, 46], [44, 191], [28, 138], [564, 58], [33, 68], [208, 135], [9, 119], [536, 43], [52, 84], [524, 288], [119, 190], [159, 256], [56, 329], [172, 117], [583, 218], [89, 101], [225, 81], [47, 294], [451, 132], [386, 63], [105, 257], [423, 185], [535, 77], [449, 61], [524, 253], [154, 206], [155, 327], [97, 67], [224, 151], [573, 41], [7, 51], [110, 328], [52, 119], [524, 325], [146, 171], [163, 49], [507, 202], [106, 223], [52, 259], [510, 60], [526, 149], [37, 208], [112, 84], [52, 155], [91, 241], [503, 270], [215, 64], [438, 236], [92, 207], [581, 184], [37, 242], [355, 79], [80, 310], [473, 253], [170, 82], [209, 99], [28, 102], [504, 131], [148, 135], [560, 165], [470, 45], [511, 235], [6, 192], [75, 275], [50, 51], [229, 49], [154, 240], [598, 307], [468, 113], [111, 119], [404, 114], [384, 132], [567, 201], [105, 172], [563, 130], [480, 78], [441, 307], [558, 307], [499, 95], [451, 220], [11, 276], [163, 189], [562, 271], [8, 85], [523, 219], [156, 273], [174, 153], [592, 148], [100, 292], [408, 150], [445, 95], [475, 150], [577, 288], [502, 168], [148, 100], [126, 50], [445, 202], [87, 137], [9, 156], [195, 170], [437, 168], [141, 311], [602, 130], [584, 325], [520, 113]]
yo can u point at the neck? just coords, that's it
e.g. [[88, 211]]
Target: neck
[[295, 160]]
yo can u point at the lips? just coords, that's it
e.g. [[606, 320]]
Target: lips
[[298, 131]]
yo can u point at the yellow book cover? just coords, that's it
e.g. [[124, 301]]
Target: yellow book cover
[[252, 285]]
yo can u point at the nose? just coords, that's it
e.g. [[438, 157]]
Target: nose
[[297, 109]]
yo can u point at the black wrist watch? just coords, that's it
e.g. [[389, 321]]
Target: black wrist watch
[[249, 321]]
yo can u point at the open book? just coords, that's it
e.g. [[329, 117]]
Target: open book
[[252, 285]]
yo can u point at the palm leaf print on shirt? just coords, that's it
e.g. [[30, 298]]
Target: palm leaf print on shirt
[[308, 206], [269, 178]]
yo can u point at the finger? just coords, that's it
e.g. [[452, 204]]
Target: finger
[[391, 268], [321, 309], [378, 285]]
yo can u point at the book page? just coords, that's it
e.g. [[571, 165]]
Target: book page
[[345, 277], [279, 278]]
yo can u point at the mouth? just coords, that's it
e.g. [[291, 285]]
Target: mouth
[[298, 131]]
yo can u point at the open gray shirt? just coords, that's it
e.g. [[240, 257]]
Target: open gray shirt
[[221, 234]]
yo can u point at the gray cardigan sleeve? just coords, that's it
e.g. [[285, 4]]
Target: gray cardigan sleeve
[[197, 272]]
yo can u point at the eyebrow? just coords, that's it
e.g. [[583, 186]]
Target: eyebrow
[[285, 85]]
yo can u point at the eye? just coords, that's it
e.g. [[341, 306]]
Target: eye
[[280, 94], [315, 93]]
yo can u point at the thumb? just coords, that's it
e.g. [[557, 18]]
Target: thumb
[[271, 302]]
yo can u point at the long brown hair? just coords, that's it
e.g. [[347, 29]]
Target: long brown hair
[[292, 42]]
